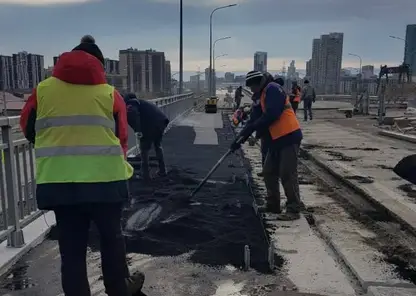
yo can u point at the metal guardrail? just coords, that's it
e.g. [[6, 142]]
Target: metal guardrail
[[18, 205]]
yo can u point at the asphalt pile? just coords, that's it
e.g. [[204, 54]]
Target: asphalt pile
[[214, 226]]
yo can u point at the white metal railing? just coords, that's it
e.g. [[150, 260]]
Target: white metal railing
[[17, 171]]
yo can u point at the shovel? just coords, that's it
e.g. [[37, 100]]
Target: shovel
[[406, 168]]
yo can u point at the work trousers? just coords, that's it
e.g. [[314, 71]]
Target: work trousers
[[73, 224], [307, 108], [283, 164], [145, 146], [263, 149], [295, 106]]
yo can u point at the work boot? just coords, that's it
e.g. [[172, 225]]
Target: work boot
[[135, 283], [288, 216], [273, 205]]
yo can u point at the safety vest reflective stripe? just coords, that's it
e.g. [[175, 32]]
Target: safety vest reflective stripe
[[74, 120], [78, 150]]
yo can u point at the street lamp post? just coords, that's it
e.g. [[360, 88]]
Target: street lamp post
[[214, 75], [405, 46], [181, 47], [210, 43], [214, 91]]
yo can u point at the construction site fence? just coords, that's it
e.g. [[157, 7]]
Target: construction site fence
[[18, 205]]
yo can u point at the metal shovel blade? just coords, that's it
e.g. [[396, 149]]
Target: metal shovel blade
[[406, 168]]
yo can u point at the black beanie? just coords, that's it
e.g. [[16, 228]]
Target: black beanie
[[92, 49]]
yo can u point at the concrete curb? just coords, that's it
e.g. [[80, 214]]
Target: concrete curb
[[350, 266], [400, 136], [390, 291], [411, 225], [8, 264]]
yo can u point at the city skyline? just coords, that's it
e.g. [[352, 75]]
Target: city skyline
[[365, 31]]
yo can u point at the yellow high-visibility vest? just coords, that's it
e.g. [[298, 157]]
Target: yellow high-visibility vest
[[75, 134]]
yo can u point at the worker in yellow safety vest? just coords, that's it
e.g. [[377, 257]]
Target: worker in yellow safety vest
[[280, 128], [78, 124]]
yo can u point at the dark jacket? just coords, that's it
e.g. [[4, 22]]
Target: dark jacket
[[145, 117], [78, 67]]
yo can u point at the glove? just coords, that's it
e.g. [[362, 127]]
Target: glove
[[235, 145]]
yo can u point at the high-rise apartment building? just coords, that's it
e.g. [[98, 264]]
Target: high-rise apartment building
[[21, 73], [229, 77], [326, 62], [145, 71], [55, 60], [6, 73], [260, 61], [308, 68], [36, 69], [367, 71], [111, 66], [207, 80], [316, 49], [168, 78], [410, 48], [291, 71]]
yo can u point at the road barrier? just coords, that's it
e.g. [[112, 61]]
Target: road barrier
[[17, 172]]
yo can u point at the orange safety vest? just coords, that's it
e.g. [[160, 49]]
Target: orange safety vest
[[287, 122]]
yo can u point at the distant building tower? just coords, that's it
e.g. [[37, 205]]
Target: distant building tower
[[410, 48], [260, 61]]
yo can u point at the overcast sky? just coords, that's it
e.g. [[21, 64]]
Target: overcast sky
[[283, 28]]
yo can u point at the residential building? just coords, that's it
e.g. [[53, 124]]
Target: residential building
[[308, 68], [55, 60], [168, 78], [21, 71], [36, 69], [367, 71], [145, 71], [316, 49], [291, 71], [229, 77], [260, 61], [207, 80], [111, 66], [326, 63], [410, 48], [6, 73]]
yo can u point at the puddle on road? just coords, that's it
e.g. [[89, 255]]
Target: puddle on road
[[17, 279]]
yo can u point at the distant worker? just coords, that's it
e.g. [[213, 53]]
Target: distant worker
[[308, 97], [78, 124], [240, 115], [149, 124], [279, 122], [238, 96], [295, 96]]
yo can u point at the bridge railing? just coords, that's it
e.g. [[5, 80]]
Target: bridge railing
[[18, 205]]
